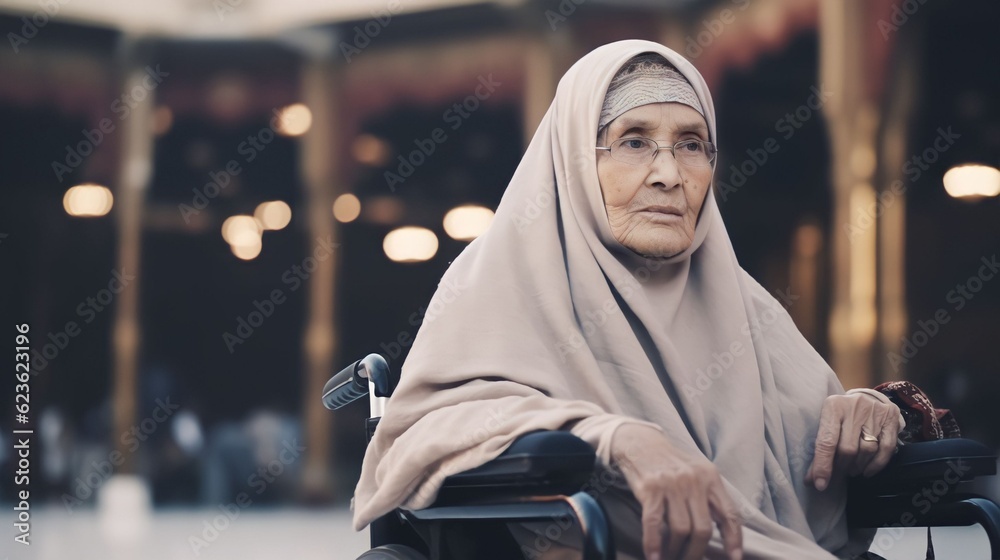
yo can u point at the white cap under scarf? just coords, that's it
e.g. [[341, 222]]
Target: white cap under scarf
[[647, 78]]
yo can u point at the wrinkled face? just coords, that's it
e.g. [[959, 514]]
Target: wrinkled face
[[653, 207]]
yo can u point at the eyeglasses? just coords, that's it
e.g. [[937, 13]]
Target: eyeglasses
[[635, 150]]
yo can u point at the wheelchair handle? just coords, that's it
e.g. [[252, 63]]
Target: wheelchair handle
[[352, 382]]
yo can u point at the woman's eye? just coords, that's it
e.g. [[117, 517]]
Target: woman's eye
[[691, 146], [634, 144]]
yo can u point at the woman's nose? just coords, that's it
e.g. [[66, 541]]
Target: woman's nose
[[664, 170]]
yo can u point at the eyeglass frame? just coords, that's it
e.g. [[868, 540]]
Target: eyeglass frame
[[711, 162]]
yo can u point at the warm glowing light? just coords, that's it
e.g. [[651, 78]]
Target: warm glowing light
[[466, 223], [248, 249], [972, 180], [808, 240], [370, 150], [386, 210], [273, 215], [243, 233], [346, 208], [410, 244], [163, 119], [240, 230], [88, 200], [294, 120]]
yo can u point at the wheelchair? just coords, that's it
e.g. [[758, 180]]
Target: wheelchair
[[543, 476]]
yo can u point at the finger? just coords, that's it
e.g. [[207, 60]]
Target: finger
[[850, 442], [866, 452], [868, 417], [827, 439], [652, 528], [886, 449], [678, 527], [871, 425], [701, 527], [727, 517]]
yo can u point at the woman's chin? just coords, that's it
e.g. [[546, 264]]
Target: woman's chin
[[659, 244]]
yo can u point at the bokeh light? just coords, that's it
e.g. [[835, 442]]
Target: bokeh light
[[239, 229], [410, 244], [88, 200], [346, 208], [370, 150], [273, 215], [294, 120], [972, 180], [468, 222], [247, 249]]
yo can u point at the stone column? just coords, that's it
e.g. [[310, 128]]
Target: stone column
[[319, 161], [134, 172]]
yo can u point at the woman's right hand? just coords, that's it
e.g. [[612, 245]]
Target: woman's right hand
[[681, 496]]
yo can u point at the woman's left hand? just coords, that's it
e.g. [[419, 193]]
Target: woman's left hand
[[857, 435]]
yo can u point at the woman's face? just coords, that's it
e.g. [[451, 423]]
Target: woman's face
[[653, 207]]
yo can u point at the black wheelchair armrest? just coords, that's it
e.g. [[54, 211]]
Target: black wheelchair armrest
[[919, 486], [536, 463], [917, 464], [540, 476]]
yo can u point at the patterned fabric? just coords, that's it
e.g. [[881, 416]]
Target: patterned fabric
[[923, 421], [648, 78]]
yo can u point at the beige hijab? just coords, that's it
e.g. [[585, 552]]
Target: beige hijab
[[547, 322]]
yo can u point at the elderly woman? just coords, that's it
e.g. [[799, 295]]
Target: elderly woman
[[606, 299]]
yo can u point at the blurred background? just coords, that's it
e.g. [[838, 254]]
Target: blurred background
[[209, 207]]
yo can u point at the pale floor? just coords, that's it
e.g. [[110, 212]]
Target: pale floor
[[299, 534]]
